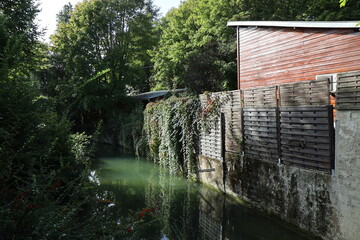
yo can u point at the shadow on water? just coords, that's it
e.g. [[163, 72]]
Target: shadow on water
[[169, 207]]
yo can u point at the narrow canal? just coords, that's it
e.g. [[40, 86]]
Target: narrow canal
[[163, 207]]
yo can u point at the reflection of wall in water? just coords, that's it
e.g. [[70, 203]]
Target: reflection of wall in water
[[209, 228], [211, 215], [176, 203]]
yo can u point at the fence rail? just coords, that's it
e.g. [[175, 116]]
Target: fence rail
[[309, 93], [260, 133], [268, 124], [348, 91]]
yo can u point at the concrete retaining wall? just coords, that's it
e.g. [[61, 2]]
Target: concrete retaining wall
[[326, 205]]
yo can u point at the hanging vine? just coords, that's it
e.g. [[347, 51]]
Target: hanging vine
[[172, 127]]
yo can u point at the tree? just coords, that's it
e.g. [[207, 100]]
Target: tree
[[196, 49], [318, 10], [42, 166], [65, 14], [100, 35], [329, 10]]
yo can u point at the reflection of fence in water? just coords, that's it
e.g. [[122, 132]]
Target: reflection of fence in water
[[209, 228], [176, 203]]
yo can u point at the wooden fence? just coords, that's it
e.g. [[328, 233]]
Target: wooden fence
[[260, 133], [348, 91], [291, 124], [307, 136]]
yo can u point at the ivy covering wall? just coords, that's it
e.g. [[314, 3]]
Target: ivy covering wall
[[172, 127], [171, 133]]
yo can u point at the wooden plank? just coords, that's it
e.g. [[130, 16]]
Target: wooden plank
[[302, 144], [305, 126], [261, 144], [261, 134], [304, 109], [314, 114], [267, 114], [304, 120], [259, 110], [306, 157], [308, 164], [305, 138], [259, 119], [307, 151], [260, 139], [313, 133], [260, 129], [260, 124]]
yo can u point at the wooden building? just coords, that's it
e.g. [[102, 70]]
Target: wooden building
[[273, 53]]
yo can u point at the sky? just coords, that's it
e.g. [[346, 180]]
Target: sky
[[49, 9]]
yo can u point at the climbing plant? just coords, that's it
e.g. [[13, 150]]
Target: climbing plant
[[172, 128], [170, 132]]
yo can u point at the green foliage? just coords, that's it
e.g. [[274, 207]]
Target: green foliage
[[94, 36], [196, 49], [171, 133], [330, 10], [44, 168], [318, 10], [342, 3], [172, 127]]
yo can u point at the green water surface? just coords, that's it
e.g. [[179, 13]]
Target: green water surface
[[169, 207]]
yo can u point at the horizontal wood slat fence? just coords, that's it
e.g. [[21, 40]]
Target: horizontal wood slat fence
[[290, 124], [348, 91]]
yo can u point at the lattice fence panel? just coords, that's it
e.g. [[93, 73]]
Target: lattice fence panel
[[260, 134], [348, 91], [233, 123], [306, 135], [210, 138], [260, 97], [210, 141], [309, 93]]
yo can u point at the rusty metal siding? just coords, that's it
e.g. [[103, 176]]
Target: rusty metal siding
[[273, 56]]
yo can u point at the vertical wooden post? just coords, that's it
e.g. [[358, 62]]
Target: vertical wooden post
[[331, 136], [278, 127], [223, 148], [238, 55], [223, 132]]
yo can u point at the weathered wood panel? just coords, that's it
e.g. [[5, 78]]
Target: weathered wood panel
[[306, 135], [260, 134], [348, 91], [309, 93], [270, 56], [232, 113], [210, 141], [260, 98], [210, 138]]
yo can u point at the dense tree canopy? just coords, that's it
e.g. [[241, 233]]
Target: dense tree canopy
[[37, 149], [197, 50], [100, 52]]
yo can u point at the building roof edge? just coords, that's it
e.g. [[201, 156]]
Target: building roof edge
[[296, 24]]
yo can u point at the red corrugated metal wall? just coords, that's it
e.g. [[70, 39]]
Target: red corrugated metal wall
[[274, 56]]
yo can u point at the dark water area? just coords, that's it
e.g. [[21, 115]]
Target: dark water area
[[160, 206]]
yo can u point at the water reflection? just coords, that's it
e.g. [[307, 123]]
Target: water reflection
[[169, 207]]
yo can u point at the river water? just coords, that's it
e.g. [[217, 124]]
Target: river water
[[158, 206]]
